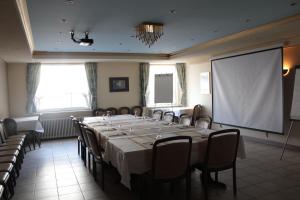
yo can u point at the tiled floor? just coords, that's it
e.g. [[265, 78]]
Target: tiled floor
[[56, 172]]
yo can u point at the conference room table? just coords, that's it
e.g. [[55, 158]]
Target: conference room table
[[128, 141]]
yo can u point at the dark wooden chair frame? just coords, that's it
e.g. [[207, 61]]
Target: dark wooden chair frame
[[194, 117], [95, 158], [137, 107], [205, 117], [99, 110], [113, 110], [186, 175], [170, 113], [206, 170], [158, 111], [124, 108]]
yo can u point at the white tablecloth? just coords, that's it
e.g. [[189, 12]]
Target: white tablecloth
[[127, 141], [29, 124]]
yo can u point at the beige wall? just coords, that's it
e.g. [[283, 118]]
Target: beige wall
[[291, 58], [17, 86], [17, 89], [118, 99], [4, 111]]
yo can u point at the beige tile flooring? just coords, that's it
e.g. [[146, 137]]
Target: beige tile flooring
[[55, 171]]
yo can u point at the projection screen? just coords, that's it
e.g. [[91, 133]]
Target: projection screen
[[248, 90]]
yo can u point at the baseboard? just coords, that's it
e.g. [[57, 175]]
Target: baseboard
[[272, 143]]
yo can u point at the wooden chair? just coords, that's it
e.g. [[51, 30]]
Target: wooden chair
[[169, 116], [112, 110], [137, 110], [203, 122], [124, 110], [170, 163], [97, 153], [220, 155], [82, 140], [196, 113], [99, 112], [185, 120], [157, 114]]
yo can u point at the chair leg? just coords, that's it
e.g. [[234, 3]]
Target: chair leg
[[188, 185], [39, 140], [94, 169], [102, 175], [89, 161], [216, 176], [234, 178], [205, 181], [78, 146]]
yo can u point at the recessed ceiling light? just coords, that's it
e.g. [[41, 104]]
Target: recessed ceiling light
[[173, 11], [63, 20], [293, 4]]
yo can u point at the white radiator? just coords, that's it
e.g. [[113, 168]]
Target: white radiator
[[58, 128]]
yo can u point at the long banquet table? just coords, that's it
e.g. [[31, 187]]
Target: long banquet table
[[128, 141]]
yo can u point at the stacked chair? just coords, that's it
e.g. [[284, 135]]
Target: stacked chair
[[12, 150]]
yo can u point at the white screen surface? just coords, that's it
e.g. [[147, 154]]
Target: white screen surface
[[295, 111], [163, 88], [247, 91]]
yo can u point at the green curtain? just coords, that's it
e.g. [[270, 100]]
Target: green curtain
[[32, 83], [180, 67], [91, 74], [144, 78]]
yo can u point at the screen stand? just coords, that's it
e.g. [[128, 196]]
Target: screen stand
[[287, 138]]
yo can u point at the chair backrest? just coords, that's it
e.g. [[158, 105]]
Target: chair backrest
[[204, 121], [99, 112], [196, 113], [222, 149], [169, 116], [9, 127], [78, 130], [124, 111], [157, 114], [138, 110], [171, 158], [185, 120], [112, 110], [93, 142]]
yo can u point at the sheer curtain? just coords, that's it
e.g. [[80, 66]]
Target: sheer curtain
[[180, 68], [91, 74], [144, 79], [32, 83]]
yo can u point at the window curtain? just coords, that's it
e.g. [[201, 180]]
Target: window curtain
[[91, 74], [180, 68], [144, 79], [32, 83]]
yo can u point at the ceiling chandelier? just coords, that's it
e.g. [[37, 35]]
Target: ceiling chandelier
[[149, 32]]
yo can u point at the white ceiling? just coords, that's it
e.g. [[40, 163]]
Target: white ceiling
[[111, 22]]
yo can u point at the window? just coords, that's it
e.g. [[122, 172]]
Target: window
[[62, 87], [163, 76]]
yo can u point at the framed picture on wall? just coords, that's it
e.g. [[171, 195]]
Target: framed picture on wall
[[204, 83], [118, 84]]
